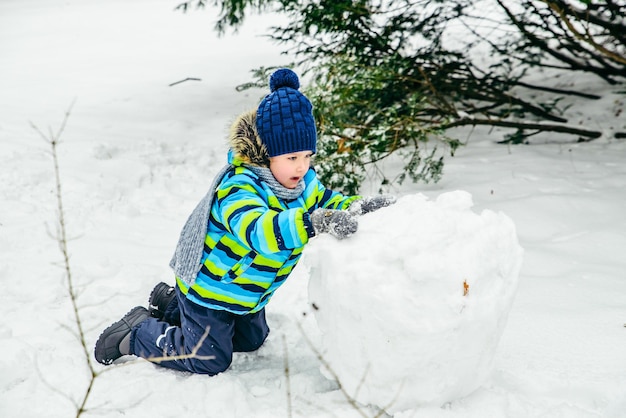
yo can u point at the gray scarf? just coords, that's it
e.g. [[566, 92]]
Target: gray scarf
[[279, 190], [186, 261]]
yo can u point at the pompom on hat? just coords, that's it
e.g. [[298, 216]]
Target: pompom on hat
[[284, 118]]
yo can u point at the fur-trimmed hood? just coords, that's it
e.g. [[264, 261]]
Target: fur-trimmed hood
[[245, 142]]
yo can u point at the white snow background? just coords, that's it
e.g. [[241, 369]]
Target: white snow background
[[137, 154]]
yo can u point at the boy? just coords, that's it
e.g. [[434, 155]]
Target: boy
[[241, 242]]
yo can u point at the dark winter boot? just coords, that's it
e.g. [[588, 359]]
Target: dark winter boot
[[160, 297], [114, 341]]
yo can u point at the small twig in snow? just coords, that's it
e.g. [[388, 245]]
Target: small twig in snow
[[193, 354], [186, 79], [322, 360], [287, 379]]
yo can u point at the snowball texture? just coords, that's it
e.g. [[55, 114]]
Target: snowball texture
[[411, 307]]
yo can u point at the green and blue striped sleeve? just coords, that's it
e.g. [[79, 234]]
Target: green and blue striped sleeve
[[317, 195], [243, 210]]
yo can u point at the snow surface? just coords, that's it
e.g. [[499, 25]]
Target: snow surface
[[136, 156]]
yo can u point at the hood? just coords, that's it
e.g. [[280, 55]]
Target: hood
[[245, 143]]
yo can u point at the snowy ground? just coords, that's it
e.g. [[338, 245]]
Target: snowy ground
[[137, 154]]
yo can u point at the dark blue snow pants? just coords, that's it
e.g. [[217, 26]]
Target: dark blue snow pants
[[228, 333]]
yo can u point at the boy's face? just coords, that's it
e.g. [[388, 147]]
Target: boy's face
[[288, 169]]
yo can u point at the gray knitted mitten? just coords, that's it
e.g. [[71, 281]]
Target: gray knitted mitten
[[338, 223], [370, 204]]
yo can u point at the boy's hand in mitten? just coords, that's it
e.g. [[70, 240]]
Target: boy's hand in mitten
[[338, 223], [370, 204]]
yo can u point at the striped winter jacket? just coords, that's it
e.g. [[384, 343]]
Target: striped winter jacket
[[254, 239]]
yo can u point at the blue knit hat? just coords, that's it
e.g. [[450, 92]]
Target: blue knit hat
[[284, 118]]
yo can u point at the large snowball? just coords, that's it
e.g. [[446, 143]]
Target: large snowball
[[412, 306]]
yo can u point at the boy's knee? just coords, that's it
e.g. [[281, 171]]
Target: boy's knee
[[211, 367], [251, 342], [256, 344]]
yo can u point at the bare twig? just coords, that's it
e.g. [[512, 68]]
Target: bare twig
[[325, 363], [193, 354], [287, 379], [560, 91], [186, 79], [53, 388], [382, 412], [362, 381], [589, 135], [53, 140], [587, 37]]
